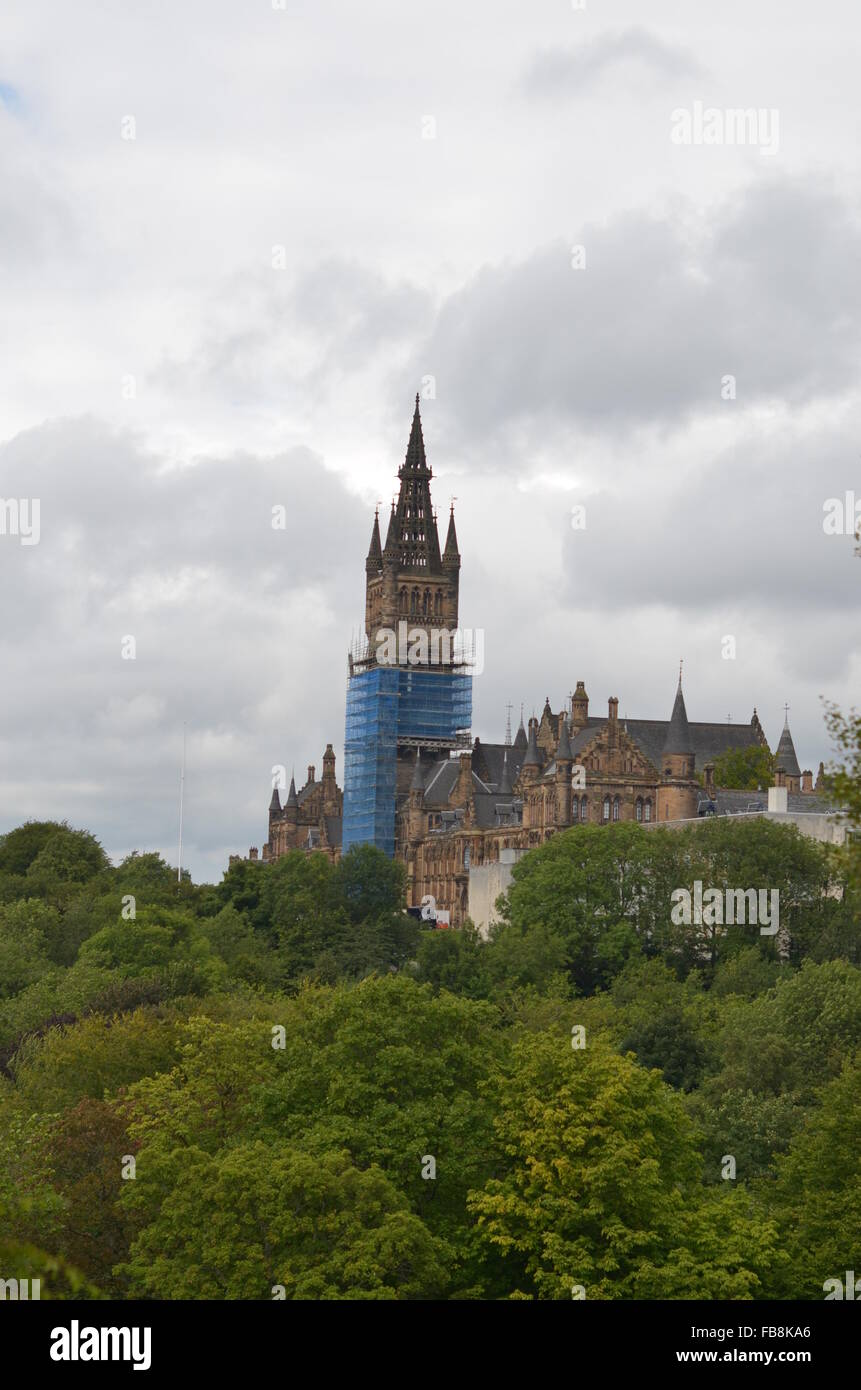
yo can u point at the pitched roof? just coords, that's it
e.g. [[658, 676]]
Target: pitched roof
[[375, 550], [786, 760], [451, 551], [563, 752], [533, 757], [678, 739]]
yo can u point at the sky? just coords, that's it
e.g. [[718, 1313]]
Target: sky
[[237, 237]]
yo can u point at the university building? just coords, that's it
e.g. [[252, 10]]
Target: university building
[[421, 789]]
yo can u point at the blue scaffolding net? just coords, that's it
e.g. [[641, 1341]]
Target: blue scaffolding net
[[386, 706]]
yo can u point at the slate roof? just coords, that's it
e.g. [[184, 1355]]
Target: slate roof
[[708, 740], [488, 759], [678, 738], [334, 829], [785, 755]]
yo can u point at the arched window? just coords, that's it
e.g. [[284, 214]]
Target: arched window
[[606, 808], [426, 603], [575, 809], [647, 809], [639, 808], [414, 601], [437, 603], [584, 810], [402, 601], [616, 807]]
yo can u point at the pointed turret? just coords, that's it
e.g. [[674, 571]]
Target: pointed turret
[[415, 456], [785, 760], [292, 798], [275, 803], [391, 533], [413, 540], [563, 751], [374, 561], [533, 757], [520, 739], [677, 796], [451, 555], [678, 738]]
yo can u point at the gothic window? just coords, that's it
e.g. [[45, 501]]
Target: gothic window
[[402, 601], [584, 814], [639, 808], [575, 809], [426, 603], [437, 603], [616, 807], [606, 808], [414, 601], [647, 809]]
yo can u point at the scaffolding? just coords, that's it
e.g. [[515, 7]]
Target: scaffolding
[[390, 707]]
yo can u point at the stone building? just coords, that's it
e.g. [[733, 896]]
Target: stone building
[[458, 808]]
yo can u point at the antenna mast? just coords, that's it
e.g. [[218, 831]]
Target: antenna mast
[[181, 796]]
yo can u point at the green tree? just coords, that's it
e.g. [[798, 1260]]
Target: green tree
[[817, 1196], [242, 1223], [744, 769], [370, 883], [601, 1185]]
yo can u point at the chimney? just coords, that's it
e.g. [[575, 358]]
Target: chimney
[[807, 781], [613, 721], [311, 771]]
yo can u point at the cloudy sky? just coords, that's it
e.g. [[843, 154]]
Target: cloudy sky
[[237, 237]]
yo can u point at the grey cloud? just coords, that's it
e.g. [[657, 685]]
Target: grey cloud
[[664, 309], [567, 72], [240, 630]]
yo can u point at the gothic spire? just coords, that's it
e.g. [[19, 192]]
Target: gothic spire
[[678, 738], [520, 740], [292, 798], [785, 759], [563, 752], [533, 757], [275, 803], [451, 552], [413, 539], [375, 550]]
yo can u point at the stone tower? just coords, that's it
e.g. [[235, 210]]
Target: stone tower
[[409, 580], [677, 795], [787, 770]]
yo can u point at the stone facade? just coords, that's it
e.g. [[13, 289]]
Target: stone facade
[[457, 810]]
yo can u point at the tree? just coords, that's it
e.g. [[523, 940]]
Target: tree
[[302, 900], [88, 1148], [817, 1196], [599, 890], [257, 1222], [744, 769], [370, 883], [601, 1185]]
